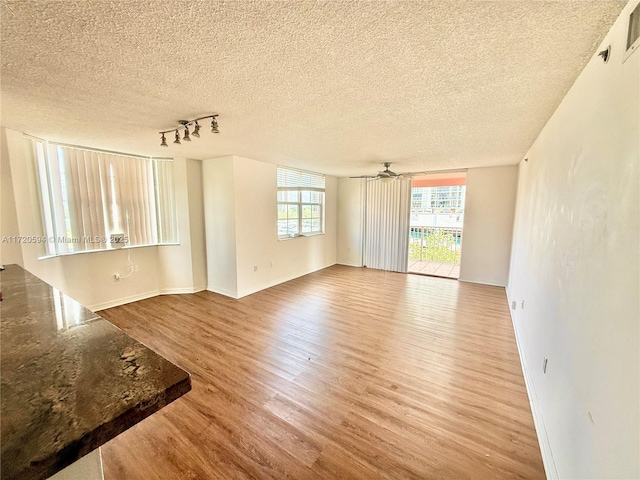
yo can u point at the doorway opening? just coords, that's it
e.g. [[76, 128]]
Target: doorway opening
[[437, 217]]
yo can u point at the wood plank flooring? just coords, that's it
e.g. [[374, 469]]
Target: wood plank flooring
[[346, 373]]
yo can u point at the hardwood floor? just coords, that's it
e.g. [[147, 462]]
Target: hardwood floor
[[346, 373]]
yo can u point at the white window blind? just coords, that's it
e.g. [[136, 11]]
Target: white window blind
[[292, 179], [89, 195], [300, 202]]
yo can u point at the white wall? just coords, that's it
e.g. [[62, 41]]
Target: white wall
[[576, 266], [350, 221], [183, 266], [243, 251], [9, 252], [174, 261], [89, 277], [488, 225], [196, 225], [257, 241], [220, 225]]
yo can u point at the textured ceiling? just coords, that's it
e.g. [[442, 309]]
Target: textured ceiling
[[336, 87]]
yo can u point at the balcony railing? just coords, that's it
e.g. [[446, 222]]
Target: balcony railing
[[437, 244]]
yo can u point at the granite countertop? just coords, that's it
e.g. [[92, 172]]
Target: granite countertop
[[71, 381]]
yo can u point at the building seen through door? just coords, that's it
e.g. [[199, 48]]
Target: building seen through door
[[437, 215]]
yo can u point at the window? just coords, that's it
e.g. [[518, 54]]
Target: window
[[88, 195], [633, 33], [300, 203]]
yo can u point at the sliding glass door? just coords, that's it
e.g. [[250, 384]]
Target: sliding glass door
[[435, 232]]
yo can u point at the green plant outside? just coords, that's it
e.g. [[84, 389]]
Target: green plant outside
[[437, 246]]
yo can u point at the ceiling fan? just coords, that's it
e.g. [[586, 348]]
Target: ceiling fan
[[387, 175]]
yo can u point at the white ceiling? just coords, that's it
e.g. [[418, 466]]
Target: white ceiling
[[336, 87]]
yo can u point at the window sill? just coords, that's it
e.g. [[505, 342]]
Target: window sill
[[300, 236], [67, 254]]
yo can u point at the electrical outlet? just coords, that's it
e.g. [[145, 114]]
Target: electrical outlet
[[255, 268], [522, 305], [513, 305], [544, 365]]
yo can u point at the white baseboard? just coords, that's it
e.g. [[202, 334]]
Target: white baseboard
[[144, 296], [122, 301], [211, 288], [538, 420], [273, 283], [482, 283], [347, 264], [222, 291], [173, 291]]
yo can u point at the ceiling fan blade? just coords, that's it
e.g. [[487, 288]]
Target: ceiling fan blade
[[386, 173]]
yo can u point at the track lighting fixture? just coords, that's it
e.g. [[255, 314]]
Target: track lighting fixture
[[185, 124]]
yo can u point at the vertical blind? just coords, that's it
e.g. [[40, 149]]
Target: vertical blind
[[166, 214], [388, 214], [89, 195]]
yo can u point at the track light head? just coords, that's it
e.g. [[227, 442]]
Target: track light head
[[177, 140], [214, 125], [196, 130], [163, 141], [185, 125]]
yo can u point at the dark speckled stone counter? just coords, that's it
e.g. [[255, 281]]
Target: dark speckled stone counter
[[71, 381]]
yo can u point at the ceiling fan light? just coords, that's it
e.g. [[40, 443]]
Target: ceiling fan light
[[387, 179]]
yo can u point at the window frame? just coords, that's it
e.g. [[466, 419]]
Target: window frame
[[305, 182], [51, 236], [632, 47]]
